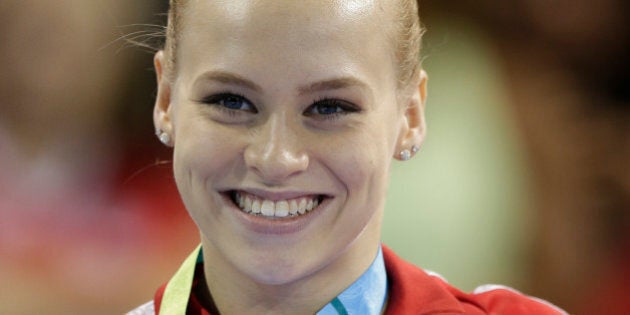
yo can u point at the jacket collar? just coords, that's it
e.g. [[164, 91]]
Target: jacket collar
[[413, 291]]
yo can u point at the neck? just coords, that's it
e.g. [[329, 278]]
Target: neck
[[233, 292]]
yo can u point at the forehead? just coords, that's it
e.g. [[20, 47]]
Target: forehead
[[282, 29], [240, 14]]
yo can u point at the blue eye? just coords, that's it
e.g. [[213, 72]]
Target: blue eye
[[330, 108], [231, 102]]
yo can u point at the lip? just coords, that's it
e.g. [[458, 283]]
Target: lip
[[275, 226]]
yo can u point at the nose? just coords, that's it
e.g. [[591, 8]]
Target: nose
[[276, 152]]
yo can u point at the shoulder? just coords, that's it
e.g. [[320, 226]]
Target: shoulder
[[414, 291], [144, 309], [499, 299]]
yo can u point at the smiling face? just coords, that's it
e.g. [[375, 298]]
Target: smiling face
[[285, 117]]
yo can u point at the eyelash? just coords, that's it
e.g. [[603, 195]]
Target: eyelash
[[217, 99], [342, 107]]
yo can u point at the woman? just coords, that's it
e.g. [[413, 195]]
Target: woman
[[284, 118]]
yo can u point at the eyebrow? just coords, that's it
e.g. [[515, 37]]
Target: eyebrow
[[333, 84], [229, 78]]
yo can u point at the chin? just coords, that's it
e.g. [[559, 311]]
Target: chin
[[275, 272]]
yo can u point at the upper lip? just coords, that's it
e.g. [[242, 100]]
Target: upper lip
[[277, 195]]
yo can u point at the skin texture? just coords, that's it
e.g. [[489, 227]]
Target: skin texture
[[281, 59]]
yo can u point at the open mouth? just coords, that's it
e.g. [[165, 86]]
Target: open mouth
[[256, 205]]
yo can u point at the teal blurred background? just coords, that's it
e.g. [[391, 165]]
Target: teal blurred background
[[459, 207]]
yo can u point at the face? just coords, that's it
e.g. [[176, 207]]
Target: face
[[285, 119]]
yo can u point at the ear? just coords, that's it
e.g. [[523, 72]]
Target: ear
[[414, 126], [162, 110]]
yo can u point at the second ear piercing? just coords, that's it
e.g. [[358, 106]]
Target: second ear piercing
[[405, 154]]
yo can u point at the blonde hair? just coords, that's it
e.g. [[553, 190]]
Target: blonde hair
[[409, 33]]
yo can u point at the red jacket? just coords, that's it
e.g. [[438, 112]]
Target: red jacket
[[414, 292]]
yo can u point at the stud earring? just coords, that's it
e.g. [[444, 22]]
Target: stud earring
[[415, 149], [405, 155], [164, 137]]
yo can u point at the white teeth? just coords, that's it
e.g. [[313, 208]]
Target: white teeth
[[241, 201], [294, 207], [248, 204], [267, 208], [281, 208], [256, 206], [302, 206]]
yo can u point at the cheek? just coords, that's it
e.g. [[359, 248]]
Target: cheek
[[368, 177], [362, 162], [201, 155], [199, 143], [362, 167]]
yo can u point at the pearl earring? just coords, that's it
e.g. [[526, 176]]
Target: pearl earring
[[405, 155], [163, 136]]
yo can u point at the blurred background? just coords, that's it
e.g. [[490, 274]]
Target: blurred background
[[523, 179]]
